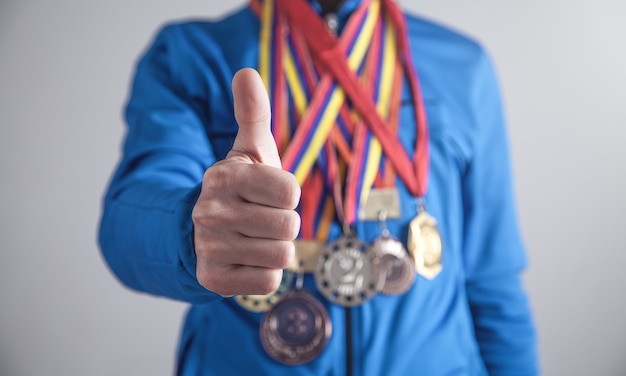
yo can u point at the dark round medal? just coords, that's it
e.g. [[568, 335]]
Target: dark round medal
[[296, 329]]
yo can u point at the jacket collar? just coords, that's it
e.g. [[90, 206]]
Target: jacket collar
[[346, 8]]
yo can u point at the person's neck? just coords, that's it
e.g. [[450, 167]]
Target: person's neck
[[329, 6]]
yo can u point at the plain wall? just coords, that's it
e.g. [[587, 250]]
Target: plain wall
[[65, 68]]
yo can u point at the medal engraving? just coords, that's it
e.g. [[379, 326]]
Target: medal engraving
[[347, 272], [296, 329], [397, 265], [425, 245], [263, 303]]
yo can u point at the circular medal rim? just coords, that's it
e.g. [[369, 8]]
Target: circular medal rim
[[368, 257], [320, 313], [405, 283]]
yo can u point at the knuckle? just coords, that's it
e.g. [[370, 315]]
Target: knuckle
[[295, 225], [206, 249], [219, 176], [196, 215], [210, 269], [205, 220], [213, 221], [269, 282], [216, 282], [284, 254], [292, 192], [202, 212], [288, 191], [207, 280], [289, 225], [212, 215]]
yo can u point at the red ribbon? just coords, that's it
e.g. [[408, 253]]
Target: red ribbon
[[329, 56]]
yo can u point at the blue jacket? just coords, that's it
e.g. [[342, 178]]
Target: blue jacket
[[472, 319]]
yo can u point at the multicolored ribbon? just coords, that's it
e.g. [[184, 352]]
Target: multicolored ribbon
[[322, 117], [328, 55]]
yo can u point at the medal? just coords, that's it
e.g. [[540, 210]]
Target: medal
[[297, 328], [347, 272], [395, 263], [262, 303], [424, 243]]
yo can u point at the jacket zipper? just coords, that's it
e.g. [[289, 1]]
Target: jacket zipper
[[349, 370]]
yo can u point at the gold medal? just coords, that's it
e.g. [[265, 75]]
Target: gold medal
[[424, 244], [347, 272]]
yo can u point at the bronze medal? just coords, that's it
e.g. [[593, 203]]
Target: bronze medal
[[263, 303], [424, 244], [347, 272], [296, 329]]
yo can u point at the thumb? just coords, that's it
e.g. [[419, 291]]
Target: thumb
[[253, 114]]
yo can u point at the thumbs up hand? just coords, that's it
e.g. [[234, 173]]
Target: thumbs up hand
[[245, 218]]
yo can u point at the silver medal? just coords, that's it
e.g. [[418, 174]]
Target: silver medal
[[347, 272], [395, 263]]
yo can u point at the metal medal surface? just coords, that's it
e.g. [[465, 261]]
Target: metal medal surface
[[424, 243], [347, 272], [296, 329], [385, 200], [396, 265], [263, 303]]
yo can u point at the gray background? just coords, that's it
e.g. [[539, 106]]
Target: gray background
[[64, 72]]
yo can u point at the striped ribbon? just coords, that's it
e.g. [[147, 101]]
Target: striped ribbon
[[413, 172], [323, 141]]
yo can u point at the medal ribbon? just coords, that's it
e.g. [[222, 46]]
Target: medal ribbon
[[328, 99], [270, 69], [364, 162], [323, 109], [320, 117], [325, 120], [327, 54], [386, 68], [299, 69]]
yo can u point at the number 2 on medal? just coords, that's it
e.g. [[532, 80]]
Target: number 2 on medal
[[352, 268]]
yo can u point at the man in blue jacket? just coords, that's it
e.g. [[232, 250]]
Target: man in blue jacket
[[358, 220]]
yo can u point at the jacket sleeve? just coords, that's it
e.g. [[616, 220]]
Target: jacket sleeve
[[493, 249], [146, 227]]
